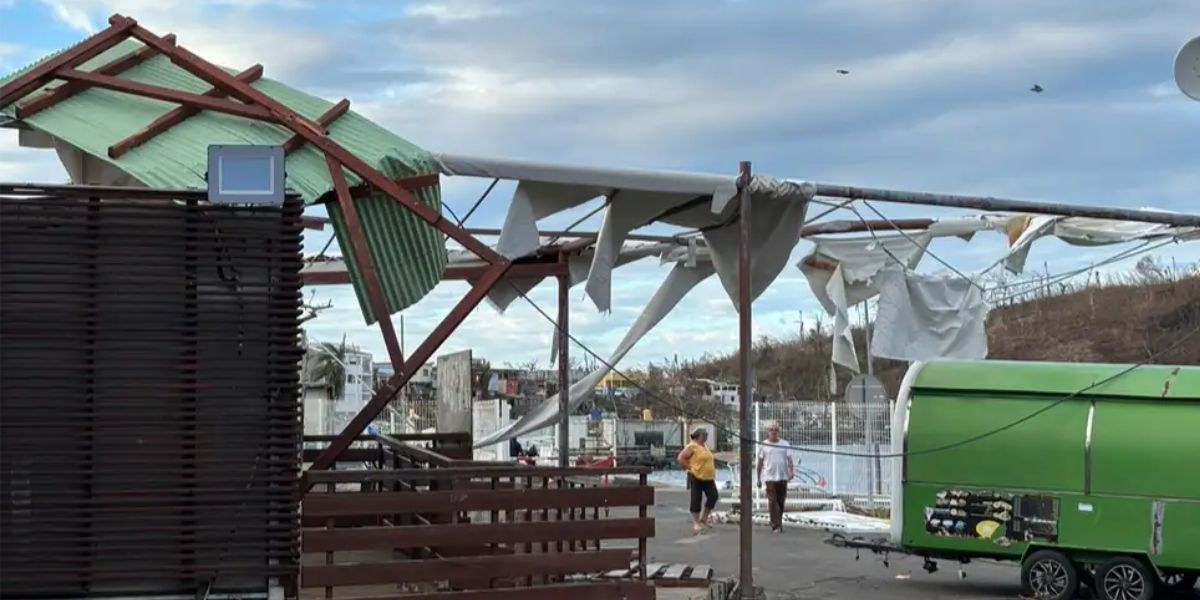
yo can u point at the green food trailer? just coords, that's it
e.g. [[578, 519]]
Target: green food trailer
[[1086, 473]]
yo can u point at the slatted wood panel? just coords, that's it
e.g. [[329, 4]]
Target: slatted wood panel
[[494, 532], [149, 419]]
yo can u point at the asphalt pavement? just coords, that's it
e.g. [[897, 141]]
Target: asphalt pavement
[[797, 564]]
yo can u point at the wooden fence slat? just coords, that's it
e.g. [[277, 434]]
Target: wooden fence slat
[[379, 538], [384, 503], [475, 567], [626, 590]]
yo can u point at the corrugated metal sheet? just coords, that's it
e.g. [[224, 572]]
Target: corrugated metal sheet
[[408, 252], [150, 419]]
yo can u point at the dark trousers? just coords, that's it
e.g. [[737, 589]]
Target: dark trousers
[[699, 487], [776, 497]]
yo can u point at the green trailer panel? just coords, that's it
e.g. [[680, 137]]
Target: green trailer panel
[[1146, 448], [1096, 460], [1045, 453]]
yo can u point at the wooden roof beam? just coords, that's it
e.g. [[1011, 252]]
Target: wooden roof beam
[[112, 68], [176, 116], [324, 121], [198, 101], [41, 74]]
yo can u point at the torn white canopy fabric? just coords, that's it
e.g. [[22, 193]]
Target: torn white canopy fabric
[[842, 273], [678, 283], [637, 198], [776, 216], [507, 291], [1084, 231], [926, 317]]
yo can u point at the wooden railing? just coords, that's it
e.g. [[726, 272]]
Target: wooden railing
[[416, 521]]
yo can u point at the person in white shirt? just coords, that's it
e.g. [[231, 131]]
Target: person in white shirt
[[776, 469]]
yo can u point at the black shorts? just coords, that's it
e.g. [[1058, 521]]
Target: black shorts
[[701, 486]]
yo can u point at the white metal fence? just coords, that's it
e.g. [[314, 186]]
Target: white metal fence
[[819, 430]]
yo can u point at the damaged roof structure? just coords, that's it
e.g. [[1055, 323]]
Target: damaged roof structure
[[129, 107]]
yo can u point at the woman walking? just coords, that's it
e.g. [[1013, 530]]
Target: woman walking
[[702, 475]]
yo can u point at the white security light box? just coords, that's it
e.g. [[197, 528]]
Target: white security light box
[[246, 175]]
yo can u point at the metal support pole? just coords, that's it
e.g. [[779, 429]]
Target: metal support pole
[[746, 523], [564, 371], [758, 430], [869, 420], [833, 445]]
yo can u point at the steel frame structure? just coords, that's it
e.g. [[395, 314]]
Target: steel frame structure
[[233, 95]]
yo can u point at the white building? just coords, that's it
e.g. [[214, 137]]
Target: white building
[[717, 391]]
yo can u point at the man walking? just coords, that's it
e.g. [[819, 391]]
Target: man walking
[[775, 462]]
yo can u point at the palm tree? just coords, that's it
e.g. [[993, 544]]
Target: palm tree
[[330, 367]]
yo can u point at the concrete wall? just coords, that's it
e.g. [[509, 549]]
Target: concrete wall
[[454, 393]]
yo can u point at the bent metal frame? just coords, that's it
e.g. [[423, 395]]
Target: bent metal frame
[[232, 94]]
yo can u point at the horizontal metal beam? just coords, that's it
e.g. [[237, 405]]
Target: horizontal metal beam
[[830, 227], [517, 271], [989, 203], [634, 237]]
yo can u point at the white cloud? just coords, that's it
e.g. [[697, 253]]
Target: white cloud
[[72, 14], [936, 100], [455, 11]]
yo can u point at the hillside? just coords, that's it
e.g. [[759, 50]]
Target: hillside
[[1127, 320]]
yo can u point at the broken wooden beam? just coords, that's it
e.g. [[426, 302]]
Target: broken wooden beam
[[324, 121], [175, 116], [112, 68]]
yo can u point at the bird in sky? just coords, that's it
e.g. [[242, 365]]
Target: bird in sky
[[843, 72], [1037, 89]]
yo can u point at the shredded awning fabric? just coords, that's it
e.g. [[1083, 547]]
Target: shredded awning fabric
[[925, 317], [1084, 231], [681, 280], [637, 198]]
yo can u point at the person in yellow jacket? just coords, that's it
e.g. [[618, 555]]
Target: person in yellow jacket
[[702, 477]]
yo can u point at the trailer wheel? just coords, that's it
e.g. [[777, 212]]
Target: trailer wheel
[[1049, 575], [1125, 578]]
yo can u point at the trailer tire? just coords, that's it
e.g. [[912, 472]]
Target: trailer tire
[[1125, 578], [1049, 575]]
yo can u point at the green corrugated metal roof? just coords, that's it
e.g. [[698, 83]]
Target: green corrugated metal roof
[[1055, 378], [409, 253]]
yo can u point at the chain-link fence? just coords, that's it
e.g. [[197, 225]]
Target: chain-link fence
[[818, 430]]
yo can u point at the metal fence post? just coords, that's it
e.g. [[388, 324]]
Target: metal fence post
[[757, 432], [833, 446]]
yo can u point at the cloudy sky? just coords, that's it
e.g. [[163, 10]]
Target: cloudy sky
[[937, 99]]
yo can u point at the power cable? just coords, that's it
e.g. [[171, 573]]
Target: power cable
[[736, 435], [945, 447]]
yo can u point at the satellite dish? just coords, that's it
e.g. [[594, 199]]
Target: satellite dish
[[867, 398], [1187, 68]]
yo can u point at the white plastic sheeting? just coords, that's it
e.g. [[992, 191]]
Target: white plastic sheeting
[[636, 198], [1084, 231], [925, 317], [843, 272], [678, 283]]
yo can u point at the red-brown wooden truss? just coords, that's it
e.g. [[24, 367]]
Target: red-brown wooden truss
[[233, 95]]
